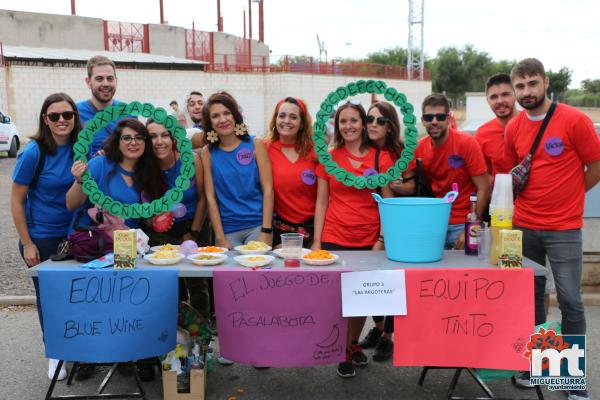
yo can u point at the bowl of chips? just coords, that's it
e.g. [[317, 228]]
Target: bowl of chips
[[164, 257], [213, 249], [253, 247], [166, 247], [206, 259], [254, 260], [319, 257]]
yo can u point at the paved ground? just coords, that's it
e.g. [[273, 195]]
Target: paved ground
[[24, 374]]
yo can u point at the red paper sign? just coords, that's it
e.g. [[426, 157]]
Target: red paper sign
[[465, 318]]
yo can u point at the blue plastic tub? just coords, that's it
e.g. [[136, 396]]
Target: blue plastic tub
[[414, 228]]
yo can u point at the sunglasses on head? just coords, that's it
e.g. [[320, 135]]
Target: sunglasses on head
[[440, 117], [137, 138], [67, 116], [381, 121]]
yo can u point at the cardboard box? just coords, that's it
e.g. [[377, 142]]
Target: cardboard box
[[125, 248], [197, 385], [511, 249]]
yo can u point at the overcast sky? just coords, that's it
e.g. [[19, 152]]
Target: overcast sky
[[559, 33]]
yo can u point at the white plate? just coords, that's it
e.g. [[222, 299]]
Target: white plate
[[163, 261], [224, 250], [157, 248], [219, 258], [279, 252], [243, 260], [240, 250], [325, 261]]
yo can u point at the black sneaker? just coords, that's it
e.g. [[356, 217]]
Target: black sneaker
[[578, 395], [346, 369], [370, 341], [523, 380], [384, 350], [84, 372], [358, 357]]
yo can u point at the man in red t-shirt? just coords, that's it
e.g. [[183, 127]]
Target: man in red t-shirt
[[501, 98], [450, 156], [549, 210]]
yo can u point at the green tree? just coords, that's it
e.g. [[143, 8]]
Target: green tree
[[591, 86], [559, 82], [392, 56]]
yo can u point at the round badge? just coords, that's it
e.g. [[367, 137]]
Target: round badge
[[370, 172], [554, 146], [244, 156], [456, 161], [308, 177]]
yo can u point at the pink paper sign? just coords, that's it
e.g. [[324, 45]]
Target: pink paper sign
[[280, 318], [479, 318]]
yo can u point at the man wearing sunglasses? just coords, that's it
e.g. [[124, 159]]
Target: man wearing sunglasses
[[549, 209], [102, 81], [450, 156], [501, 98]]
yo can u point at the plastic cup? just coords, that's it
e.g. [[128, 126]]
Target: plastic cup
[[502, 195], [291, 249], [485, 244]]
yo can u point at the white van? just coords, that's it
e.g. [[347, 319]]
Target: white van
[[9, 136]]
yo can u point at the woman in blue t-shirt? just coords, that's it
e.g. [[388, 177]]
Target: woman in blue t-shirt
[[237, 176], [188, 226], [41, 179], [127, 168]]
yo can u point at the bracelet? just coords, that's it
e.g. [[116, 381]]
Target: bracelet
[[266, 230]]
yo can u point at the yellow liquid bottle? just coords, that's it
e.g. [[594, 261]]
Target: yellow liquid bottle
[[501, 219]]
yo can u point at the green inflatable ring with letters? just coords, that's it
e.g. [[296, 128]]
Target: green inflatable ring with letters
[[136, 210], [410, 133]]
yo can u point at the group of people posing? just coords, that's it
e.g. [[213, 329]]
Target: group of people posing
[[255, 188]]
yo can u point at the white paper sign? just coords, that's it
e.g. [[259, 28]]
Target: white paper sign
[[373, 293]]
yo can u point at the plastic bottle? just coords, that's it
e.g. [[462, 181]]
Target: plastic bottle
[[501, 211], [472, 226], [195, 359]]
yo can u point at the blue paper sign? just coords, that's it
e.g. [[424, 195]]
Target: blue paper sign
[[108, 315]]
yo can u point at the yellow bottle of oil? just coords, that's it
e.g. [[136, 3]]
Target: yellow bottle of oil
[[501, 219]]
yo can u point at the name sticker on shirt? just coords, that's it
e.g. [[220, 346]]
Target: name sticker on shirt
[[370, 172], [554, 146], [308, 177], [455, 161], [244, 156]]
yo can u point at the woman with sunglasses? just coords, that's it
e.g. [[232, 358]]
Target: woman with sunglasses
[[127, 168], [347, 218], [383, 128], [188, 226], [294, 162], [237, 176], [41, 179]]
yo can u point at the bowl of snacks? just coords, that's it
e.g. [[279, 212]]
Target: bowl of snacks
[[164, 257], [205, 259], [254, 261], [281, 252], [213, 249], [166, 247], [319, 257], [253, 247]]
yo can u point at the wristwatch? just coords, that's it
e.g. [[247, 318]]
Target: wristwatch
[[266, 230]]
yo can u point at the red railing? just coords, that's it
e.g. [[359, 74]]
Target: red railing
[[126, 37], [199, 45], [243, 51]]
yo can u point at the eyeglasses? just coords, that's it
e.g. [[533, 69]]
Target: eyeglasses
[[440, 117], [381, 121], [137, 138], [67, 116]]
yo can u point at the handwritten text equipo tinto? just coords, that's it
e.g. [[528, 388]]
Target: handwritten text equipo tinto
[[461, 289]]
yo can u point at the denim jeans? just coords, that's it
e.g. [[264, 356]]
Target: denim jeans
[[454, 230], [46, 247], [565, 253]]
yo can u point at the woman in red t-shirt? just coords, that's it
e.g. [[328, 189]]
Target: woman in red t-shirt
[[294, 163], [347, 218]]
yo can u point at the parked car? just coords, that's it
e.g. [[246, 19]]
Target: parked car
[[597, 126], [9, 136]]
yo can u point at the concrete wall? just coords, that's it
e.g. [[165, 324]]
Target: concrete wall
[[477, 108], [167, 40], [51, 30], [224, 44], [257, 93]]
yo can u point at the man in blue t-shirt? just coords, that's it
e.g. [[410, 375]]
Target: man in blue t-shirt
[[102, 81]]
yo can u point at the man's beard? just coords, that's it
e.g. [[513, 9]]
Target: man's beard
[[532, 106]]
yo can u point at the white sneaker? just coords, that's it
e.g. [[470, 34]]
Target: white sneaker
[[52, 364], [224, 361]]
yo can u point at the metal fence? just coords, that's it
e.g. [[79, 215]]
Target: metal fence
[[126, 37]]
